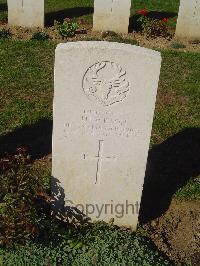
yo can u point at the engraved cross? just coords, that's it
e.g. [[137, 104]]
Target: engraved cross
[[99, 159]]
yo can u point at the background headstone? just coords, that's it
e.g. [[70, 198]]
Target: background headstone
[[188, 23], [103, 111], [111, 15], [26, 13]]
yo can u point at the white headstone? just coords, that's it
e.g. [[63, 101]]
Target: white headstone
[[188, 23], [104, 103], [26, 13], [111, 15]]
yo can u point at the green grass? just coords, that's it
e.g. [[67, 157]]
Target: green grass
[[190, 191], [96, 245], [26, 79], [179, 89]]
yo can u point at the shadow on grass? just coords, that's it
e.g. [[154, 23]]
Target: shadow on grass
[[135, 25], [67, 13], [170, 165], [36, 137], [3, 7]]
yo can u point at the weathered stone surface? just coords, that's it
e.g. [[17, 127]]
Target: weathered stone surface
[[26, 13], [104, 103], [188, 24], [111, 15]]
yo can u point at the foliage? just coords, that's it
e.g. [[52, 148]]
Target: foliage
[[177, 45], [153, 28], [4, 33], [19, 191], [40, 36], [171, 23], [98, 244], [67, 29]]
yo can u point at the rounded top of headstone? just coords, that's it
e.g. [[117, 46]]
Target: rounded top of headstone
[[109, 45]]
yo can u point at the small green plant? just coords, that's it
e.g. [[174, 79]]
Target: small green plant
[[66, 29], [153, 28], [40, 36], [171, 23], [19, 192], [4, 33], [177, 45], [150, 27]]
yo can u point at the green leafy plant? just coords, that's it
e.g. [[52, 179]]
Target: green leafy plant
[[66, 29], [4, 33], [177, 45], [153, 28], [171, 23], [19, 192], [40, 36], [150, 27]]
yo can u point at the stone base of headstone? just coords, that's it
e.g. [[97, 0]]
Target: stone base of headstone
[[26, 13], [188, 23], [111, 15]]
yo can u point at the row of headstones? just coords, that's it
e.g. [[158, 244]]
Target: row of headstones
[[108, 15]]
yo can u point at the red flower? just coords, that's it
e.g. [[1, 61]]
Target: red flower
[[142, 12], [165, 20]]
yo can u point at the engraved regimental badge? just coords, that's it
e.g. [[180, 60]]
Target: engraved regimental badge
[[106, 83]]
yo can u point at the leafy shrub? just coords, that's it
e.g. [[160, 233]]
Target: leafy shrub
[[153, 27], [4, 33], [67, 29], [177, 45], [40, 36], [19, 191]]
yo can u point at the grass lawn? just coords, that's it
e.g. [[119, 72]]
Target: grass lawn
[[26, 94]]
